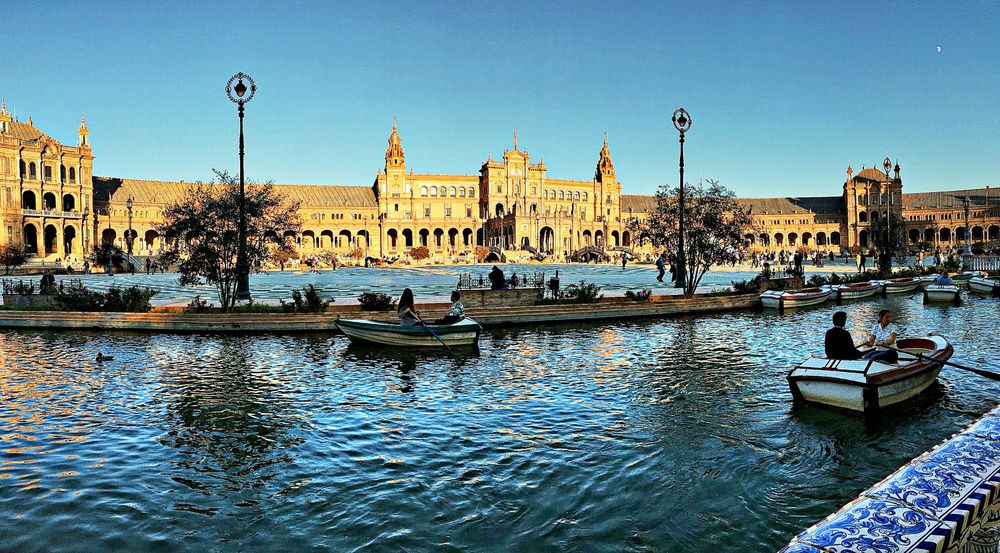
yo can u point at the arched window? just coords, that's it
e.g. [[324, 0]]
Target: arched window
[[461, 192], [561, 195], [584, 196], [72, 174], [62, 173], [472, 192], [32, 170], [576, 196], [423, 191], [452, 192], [434, 192]]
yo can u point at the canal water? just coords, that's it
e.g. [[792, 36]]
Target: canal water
[[656, 435]]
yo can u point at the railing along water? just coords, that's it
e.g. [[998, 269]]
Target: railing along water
[[990, 263]]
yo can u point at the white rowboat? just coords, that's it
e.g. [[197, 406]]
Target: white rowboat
[[942, 293], [854, 291], [900, 285], [983, 285], [463, 333], [866, 386], [793, 299]]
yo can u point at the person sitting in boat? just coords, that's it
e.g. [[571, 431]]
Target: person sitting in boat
[[838, 342], [945, 278], [455, 313], [407, 312], [882, 337]]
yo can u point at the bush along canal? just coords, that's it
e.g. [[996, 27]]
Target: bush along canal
[[674, 434]]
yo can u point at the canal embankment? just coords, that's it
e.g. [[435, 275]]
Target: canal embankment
[[176, 319]]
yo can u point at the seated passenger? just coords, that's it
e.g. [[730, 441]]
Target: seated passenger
[[883, 337], [945, 278], [407, 312], [456, 313], [838, 342]]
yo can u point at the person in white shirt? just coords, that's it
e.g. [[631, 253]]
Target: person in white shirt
[[882, 335], [457, 311]]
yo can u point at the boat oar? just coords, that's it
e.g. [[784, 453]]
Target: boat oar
[[980, 372], [434, 334]]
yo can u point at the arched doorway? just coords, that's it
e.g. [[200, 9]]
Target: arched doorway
[[835, 238], [614, 239], [51, 237], [480, 241], [499, 210], [626, 239], [393, 238], [793, 239], [308, 239], [326, 239], [599, 239], [821, 239], [806, 237], [587, 239], [69, 202], [424, 234], [863, 238], [108, 237], [30, 239], [945, 234], [467, 237], [28, 200], [69, 237], [49, 201], [930, 235], [151, 240], [914, 236], [546, 239], [438, 238], [345, 239], [779, 239], [407, 238], [452, 238]]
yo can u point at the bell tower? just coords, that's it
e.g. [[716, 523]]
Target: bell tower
[[395, 159], [83, 133], [605, 173]]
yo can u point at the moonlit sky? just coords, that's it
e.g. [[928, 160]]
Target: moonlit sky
[[783, 95]]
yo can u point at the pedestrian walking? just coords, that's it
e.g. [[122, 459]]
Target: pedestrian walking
[[660, 265]]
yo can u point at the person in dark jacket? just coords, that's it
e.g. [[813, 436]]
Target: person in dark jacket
[[839, 343], [497, 280]]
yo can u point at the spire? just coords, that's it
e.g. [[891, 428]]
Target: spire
[[515, 139], [83, 132], [394, 156], [3, 106], [605, 168]]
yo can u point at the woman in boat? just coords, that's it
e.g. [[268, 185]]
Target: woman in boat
[[882, 337], [407, 312], [945, 278]]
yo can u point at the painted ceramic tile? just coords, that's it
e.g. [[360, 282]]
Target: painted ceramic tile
[[876, 526]]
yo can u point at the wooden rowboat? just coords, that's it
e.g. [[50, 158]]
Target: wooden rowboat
[[963, 279], [854, 291], [983, 285], [900, 285], [463, 333], [866, 386], [942, 293], [792, 299]]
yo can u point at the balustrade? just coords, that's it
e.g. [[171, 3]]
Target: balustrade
[[990, 263]]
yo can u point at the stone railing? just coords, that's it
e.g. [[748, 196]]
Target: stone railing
[[989, 263], [946, 500], [51, 213]]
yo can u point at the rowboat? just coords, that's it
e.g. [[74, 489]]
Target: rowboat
[[984, 285], [792, 299], [900, 285], [963, 279], [866, 386], [854, 291], [463, 333], [942, 293], [928, 279]]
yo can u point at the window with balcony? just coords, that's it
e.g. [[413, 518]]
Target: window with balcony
[[48, 173]]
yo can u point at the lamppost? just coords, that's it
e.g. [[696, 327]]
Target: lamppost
[[682, 122], [128, 237], [242, 269], [887, 165], [83, 225], [965, 207]]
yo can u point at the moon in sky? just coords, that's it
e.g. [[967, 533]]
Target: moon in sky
[[938, 49]]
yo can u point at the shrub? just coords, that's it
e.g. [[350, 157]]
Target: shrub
[[817, 281], [197, 305], [641, 295], [252, 307], [133, 299], [376, 301], [581, 293], [745, 286], [11, 256], [306, 301], [420, 252], [24, 289]]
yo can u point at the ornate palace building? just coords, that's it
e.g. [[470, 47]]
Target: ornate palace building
[[51, 203]]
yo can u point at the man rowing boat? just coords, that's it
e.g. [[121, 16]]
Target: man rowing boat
[[838, 342]]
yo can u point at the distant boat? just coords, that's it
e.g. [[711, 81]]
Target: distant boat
[[942, 293], [866, 386], [792, 299], [963, 279], [984, 285], [463, 333], [900, 285], [854, 291]]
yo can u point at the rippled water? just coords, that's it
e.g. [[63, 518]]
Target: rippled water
[[660, 435]]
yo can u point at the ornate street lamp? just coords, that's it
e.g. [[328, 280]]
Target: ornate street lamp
[[83, 225], [242, 268], [887, 165], [682, 122], [128, 237], [965, 207]]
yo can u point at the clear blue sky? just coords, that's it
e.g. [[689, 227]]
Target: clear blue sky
[[784, 95]]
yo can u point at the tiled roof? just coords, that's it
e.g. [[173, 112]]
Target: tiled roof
[[161, 192], [638, 203], [952, 198], [23, 131], [827, 205], [871, 173]]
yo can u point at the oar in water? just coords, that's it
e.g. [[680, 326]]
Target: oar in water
[[434, 334], [980, 372]]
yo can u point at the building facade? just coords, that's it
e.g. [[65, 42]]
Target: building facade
[[52, 205]]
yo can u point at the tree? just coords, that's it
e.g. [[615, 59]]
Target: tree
[[282, 252], [887, 241], [12, 256], [204, 227], [715, 224], [101, 255]]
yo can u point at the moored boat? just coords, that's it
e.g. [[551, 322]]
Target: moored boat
[[942, 293], [792, 299], [900, 285], [854, 291], [928, 279], [866, 386], [962, 279], [463, 333], [984, 285]]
